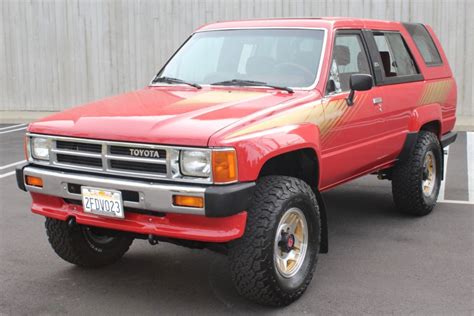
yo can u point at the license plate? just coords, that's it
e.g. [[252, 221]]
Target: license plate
[[102, 202]]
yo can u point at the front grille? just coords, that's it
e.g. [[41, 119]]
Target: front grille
[[76, 146], [125, 151], [77, 160], [147, 161], [137, 166]]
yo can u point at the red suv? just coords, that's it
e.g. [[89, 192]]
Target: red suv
[[233, 141]]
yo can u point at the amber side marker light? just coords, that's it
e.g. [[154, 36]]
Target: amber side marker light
[[188, 201], [34, 181], [224, 166]]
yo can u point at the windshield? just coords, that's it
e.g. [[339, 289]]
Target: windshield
[[279, 57]]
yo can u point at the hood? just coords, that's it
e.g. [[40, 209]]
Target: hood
[[161, 115]]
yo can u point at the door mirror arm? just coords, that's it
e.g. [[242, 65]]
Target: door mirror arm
[[358, 82], [350, 98]]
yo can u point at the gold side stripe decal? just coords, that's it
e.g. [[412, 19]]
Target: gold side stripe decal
[[351, 112], [436, 92], [327, 116], [311, 112]]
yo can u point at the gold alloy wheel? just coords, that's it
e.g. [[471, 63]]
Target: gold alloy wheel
[[429, 174], [291, 243]]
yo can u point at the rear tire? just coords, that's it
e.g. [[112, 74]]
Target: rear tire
[[85, 246], [273, 263], [416, 181]]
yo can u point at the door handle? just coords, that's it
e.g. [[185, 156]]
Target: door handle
[[377, 100]]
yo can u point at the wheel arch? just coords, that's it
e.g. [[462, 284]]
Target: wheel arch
[[303, 164], [412, 137], [260, 153], [432, 126], [424, 118], [427, 117]]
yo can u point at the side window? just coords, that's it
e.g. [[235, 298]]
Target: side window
[[424, 43], [348, 57], [396, 58]]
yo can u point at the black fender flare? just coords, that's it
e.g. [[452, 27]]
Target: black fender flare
[[408, 146], [410, 143], [324, 246]]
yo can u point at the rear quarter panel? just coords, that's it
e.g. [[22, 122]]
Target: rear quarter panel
[[439, 94]]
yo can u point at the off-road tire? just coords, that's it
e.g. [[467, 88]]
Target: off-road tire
[[407, 177], [72, 245], [253, 270]]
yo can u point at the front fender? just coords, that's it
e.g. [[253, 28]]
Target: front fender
[[254, 149]]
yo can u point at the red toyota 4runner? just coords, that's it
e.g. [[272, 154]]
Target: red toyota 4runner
[[233, 141]]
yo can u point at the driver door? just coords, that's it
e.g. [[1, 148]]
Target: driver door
[[350, 135]]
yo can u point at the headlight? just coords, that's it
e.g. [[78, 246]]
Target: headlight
[[40, 148], [196, 163]]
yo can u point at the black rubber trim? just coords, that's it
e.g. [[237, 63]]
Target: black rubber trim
[[229, 199], [20, 177], [408, 146], [401, 79], [448, 138]]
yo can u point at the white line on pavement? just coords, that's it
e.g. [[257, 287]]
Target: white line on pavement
[[456, 202], [11, 126], [13, 130], [470, 165], [443, 183], [12, 164], [7, 174]]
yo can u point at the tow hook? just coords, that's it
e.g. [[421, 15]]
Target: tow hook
[[71, 222], [152, 240]]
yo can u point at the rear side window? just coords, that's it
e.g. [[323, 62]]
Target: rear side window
[[424, 43], [395, 57]]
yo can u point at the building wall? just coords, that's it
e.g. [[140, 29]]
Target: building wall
[[55, 54]]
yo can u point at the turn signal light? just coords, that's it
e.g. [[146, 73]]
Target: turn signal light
[[34, 181], [188, 201], [224, 166]]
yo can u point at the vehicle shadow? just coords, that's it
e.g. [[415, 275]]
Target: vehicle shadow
[[173, 279]]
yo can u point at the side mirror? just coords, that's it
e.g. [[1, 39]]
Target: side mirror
[[358, 82]]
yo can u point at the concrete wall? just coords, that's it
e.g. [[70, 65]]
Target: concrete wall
[[54, 54]]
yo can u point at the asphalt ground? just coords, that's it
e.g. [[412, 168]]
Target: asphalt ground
[[380, 262]]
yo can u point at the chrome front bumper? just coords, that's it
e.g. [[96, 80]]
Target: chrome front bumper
[[151, 196], [219, 201]]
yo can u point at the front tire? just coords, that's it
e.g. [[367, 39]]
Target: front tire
[[273, 263], [85, 246], [416, 181]]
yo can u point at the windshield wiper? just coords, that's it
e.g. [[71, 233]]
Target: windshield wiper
[[243, 83], [175, 80]]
